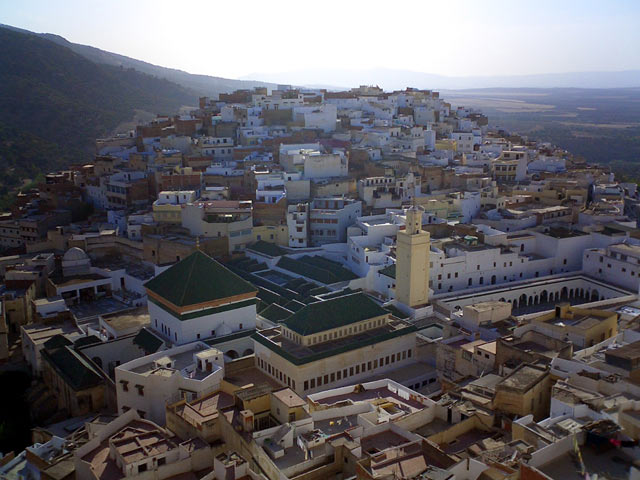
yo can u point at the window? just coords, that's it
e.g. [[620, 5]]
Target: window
[[140, 390], [125, 385], [306, 385]]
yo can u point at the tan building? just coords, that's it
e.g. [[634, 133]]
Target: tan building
[[531, 347], [412, 261], [527, 390], [582, 327], [16, 304]]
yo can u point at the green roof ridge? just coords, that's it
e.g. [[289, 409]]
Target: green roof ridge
[[198, 279], [334, 313]]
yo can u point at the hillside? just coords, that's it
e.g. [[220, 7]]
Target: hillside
[[54, 103], [203, 85], [602, 125]]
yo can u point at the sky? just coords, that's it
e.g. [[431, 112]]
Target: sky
[[241, 38]]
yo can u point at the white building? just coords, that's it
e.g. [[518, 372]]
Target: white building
[[617, 264], [389, 191], [199, 298], [298, 225], [147, 384]]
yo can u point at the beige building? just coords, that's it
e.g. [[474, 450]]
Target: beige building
[[582, 327], [334, 342], [527, 390], [221, 218]]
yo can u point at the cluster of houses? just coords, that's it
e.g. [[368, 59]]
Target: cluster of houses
[[307, 284]]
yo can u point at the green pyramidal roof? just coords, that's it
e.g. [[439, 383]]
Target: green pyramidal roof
[[336, 312], [197, 279]]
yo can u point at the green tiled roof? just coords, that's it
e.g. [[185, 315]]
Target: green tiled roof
[[389, 271], [275, 313], [75, 370], [261, 339], [343, 274], [197, 279], [396, 312], [295, 305], [266, 248], [316, 268], [334, 313], [147, 341]]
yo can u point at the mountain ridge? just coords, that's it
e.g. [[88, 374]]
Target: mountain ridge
[[54, 103], [204, 85]]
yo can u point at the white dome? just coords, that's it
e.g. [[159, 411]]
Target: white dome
[[223, 329], [74, 254]]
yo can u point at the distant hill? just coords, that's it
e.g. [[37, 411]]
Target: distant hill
[[395, 79], [203, 85], [54, 103]]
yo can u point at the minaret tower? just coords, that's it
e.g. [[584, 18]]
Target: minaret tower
[[412, 261]]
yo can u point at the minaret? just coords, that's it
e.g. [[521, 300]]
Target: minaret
[[412, 261]]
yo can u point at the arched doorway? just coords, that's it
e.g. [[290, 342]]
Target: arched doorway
[[232, 354], [247, 352], [522, 301], [544, 296]]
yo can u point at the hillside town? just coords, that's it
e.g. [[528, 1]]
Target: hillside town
[[308, 284]]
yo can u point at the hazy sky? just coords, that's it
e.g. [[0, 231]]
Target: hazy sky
[[234, 38]]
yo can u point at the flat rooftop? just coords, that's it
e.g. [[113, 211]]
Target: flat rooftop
[[61, 282], [374, 444], [612, 464], [137, 318], [204, 409], [523, 378], [383, 393], [249, 377], [582, 322], [90, 310], [183, 363], [39, 333]]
